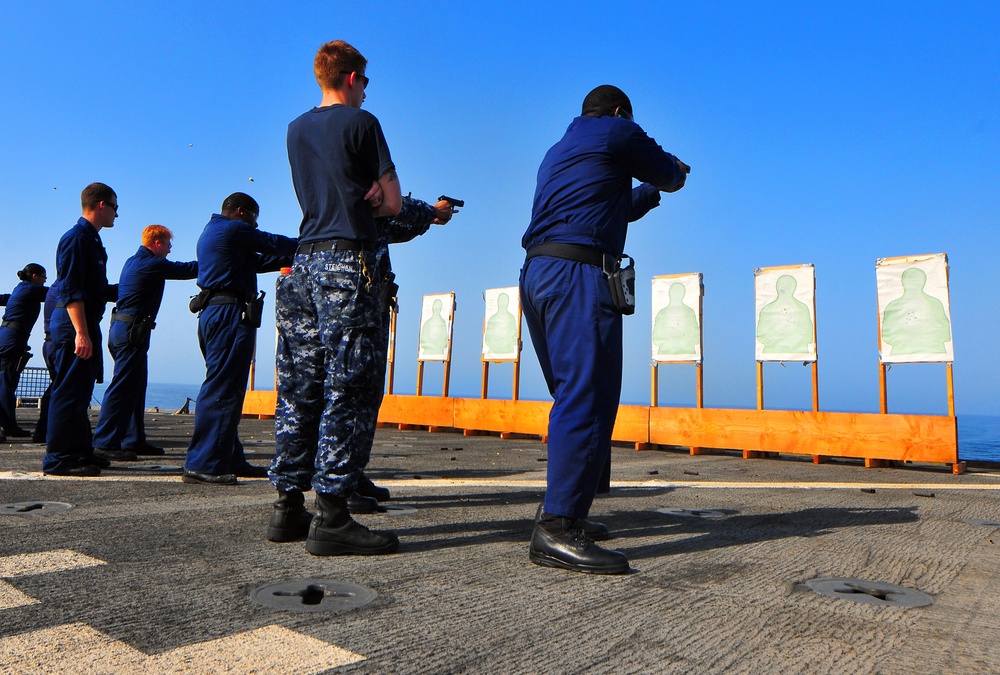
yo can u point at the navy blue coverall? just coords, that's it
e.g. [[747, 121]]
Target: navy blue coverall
[[230, 254], [121, 424], [42, 425], [584, 196], [23, 305], [81, 262]]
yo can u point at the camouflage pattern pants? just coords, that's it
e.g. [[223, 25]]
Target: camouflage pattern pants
[[329, 341]]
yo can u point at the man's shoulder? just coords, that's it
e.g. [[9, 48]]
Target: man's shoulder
[[75, 233], [341, 115]]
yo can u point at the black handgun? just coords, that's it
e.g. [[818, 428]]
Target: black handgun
[[458, 203]]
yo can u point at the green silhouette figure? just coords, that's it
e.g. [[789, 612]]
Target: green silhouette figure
[[501, 329], [784, 326], [915, 323], [675, 328], [434, 332]]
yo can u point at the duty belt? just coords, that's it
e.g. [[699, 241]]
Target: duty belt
[[334, 245], [574, 252], [124, 318], [224, 300], [130, 318], [10, 324]]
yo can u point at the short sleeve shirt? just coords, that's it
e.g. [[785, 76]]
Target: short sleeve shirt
[[335, 154]]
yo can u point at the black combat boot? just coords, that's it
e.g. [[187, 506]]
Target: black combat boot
[[594, 530], [560, 542], [358, 503], [289, 520], [366, 488], [334, 532]]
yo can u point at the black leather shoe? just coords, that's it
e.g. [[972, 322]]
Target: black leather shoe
[[116, 455], [100, 460], [147, 449], [17, 432], [334, 532], [595, 531], [360, 504], [82, 471], [251, 471], [559, 542], [289, 520], [366, 488], [37, 438], [208, 478]]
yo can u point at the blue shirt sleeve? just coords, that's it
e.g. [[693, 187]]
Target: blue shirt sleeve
[[643, 157]]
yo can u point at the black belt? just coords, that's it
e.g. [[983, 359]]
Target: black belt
[[574, 252], [224, 300], [130, 318], [334, 245], [10, 324]]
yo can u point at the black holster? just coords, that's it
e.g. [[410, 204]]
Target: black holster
[[138, 331], [16, 363], [621, 280], [387, 293], [200, 301], [255, 311]]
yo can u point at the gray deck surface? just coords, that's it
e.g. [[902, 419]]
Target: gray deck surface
[[148, 574]]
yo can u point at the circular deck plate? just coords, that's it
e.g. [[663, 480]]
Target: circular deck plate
[[33, 508], [870, 592], [413, 476], [396, 510], [691, 513], [313, 595], [155, 467]]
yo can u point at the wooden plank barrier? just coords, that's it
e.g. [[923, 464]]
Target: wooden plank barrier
[[876, 438]]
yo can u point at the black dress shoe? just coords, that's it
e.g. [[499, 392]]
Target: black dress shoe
[[559, 542], [366, 488], [594, 530], [82, 471], [147, 449], [251, 471], [100, 460], [209, 478], [116, 455], [360, 504], [37, 438], [17, 432]]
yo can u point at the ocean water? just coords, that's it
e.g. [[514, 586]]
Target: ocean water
[[979, 438], [166, 397], [978, 435]]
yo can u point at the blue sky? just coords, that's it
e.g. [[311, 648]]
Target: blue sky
[[829, 134]]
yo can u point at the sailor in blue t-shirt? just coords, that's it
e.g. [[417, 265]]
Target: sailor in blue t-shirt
[[328, 313], [583, 203]]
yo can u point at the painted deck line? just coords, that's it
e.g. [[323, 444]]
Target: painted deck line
[[29, 564], [535, 483], [44, 562], [77, 647], [10, 597]]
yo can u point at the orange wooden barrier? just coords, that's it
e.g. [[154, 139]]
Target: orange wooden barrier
[[876, 438]]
